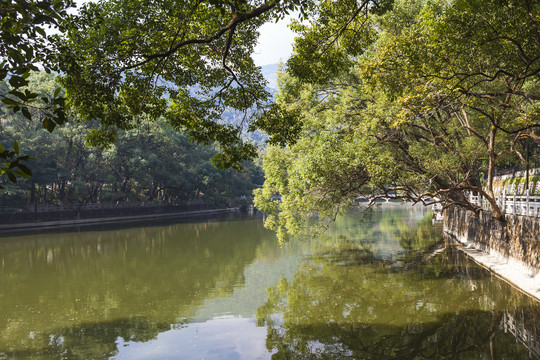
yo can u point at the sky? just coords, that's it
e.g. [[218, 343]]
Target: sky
[[275, 43]]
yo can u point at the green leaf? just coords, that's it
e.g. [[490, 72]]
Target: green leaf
[[26, 113], [16, 147], [49, 124], [41, 31], [25, 169], [17, 81], [9, 101], [18, 94], [22, 174], [30, 95], [11, 177]]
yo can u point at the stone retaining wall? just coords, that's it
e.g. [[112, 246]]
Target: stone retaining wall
[[29, 217], [516, 239]]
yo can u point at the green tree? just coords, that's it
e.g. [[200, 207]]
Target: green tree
[[472, 68], [188, 61], [26, 47], [123, 61], [434, 95], [152, 162]]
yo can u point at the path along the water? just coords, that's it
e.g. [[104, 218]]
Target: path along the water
[[522, 277]]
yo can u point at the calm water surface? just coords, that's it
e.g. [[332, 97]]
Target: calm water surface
[[382, 288]]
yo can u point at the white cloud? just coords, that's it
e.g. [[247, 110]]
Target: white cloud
[[275, 43]]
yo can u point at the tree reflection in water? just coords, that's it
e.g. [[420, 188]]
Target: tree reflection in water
[[349, 302], [380, 289], [66, 296]]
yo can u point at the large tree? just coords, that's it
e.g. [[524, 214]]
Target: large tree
[[415, 104], [126, 61]]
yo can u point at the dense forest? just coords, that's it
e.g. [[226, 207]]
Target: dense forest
[[151, 163]]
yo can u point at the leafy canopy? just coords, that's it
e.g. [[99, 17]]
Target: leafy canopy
[[188, 61], [434, 95]]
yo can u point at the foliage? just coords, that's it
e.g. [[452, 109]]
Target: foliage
[[12, 164], [26, 47], [518, 186], [150, 163], [434, 96], [124, 62], [186, 61]]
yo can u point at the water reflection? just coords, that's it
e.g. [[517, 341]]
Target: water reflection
[[75, 295], [525, 328], [385, 288], [351, 300]]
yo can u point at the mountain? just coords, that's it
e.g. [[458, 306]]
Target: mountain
[[270, 74]]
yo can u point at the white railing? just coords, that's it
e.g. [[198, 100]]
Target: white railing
[[512, 204]]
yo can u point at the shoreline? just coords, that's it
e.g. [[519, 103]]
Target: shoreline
[[11, 229], [523, 278], [509, 249]]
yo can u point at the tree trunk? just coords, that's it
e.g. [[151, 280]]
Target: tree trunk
[[497, 213]]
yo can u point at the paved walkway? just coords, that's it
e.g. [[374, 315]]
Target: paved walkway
[[12, 228], [514, 272]]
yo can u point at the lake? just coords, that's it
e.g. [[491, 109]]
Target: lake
[[376, 285]]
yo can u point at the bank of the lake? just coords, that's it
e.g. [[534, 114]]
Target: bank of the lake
[[41, 226], [510, 249]]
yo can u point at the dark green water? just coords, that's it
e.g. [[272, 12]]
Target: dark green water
[[381, 288]]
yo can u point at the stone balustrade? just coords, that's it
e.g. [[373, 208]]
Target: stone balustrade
[[512, 204]]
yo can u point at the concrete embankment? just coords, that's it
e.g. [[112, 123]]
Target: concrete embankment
[[511, 249], [94, 211], [8, 229]]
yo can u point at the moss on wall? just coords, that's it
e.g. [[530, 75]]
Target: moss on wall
[[516, 186]]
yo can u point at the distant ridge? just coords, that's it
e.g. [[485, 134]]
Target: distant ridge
[[270, 74]]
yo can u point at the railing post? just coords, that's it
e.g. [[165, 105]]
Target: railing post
[[503, 201], [514, 204], [528, 204]]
